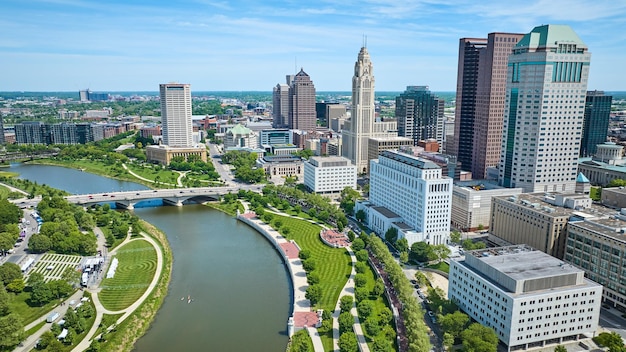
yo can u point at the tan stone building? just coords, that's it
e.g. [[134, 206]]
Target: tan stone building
[[163, 154]]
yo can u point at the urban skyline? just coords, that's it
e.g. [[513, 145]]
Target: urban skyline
[[72, 44]]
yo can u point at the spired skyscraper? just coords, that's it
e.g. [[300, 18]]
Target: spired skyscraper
[[360, 128], [544, 110], [481, 85], [302, 103], [176, 114]]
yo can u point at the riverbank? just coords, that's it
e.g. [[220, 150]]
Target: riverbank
[[137, 323]]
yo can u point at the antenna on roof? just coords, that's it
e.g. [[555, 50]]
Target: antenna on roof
[[295, 65], [364, 41]]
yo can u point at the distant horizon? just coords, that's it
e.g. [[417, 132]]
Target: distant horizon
[[233, 45]]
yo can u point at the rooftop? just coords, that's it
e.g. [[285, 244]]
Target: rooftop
[[409, 160], [479, 185], [386, 212], [550, 35], [609, 227]]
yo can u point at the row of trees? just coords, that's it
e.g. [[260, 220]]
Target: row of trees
[[412, 313], [245, 166], [75, 323], [10, 215]]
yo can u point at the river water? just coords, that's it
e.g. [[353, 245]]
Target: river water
[[238, 284]]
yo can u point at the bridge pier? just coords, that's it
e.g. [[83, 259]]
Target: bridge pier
[[177, 202]]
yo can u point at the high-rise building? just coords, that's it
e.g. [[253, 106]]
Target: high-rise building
[[481, 86], [360, 127], [33, 132], [420, 114], [490, 93], [544, 110], [411, 194], [176, 114], [302, 103], [466, 87], [596, 123], [280, 99]]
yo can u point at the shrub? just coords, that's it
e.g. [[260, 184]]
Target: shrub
[[345, 303], [361, 255], [365, 309], [360, 280]]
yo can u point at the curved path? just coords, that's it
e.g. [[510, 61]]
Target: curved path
[[143, 178], [100, 310], [348, 290]]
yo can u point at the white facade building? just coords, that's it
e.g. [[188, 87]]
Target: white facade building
[[329, 174], [414, 189], [529, 298], [176, 114], [240, 137], [544, 110]]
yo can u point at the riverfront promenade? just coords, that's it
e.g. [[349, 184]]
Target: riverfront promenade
[[302, 306]]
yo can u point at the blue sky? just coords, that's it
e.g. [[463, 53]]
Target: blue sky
[[122, 45]]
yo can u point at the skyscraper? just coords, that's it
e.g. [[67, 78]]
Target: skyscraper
[[302, 103], [544, 110], [361, 125], [280, 100], [466, 86], [481, 86], [420, 114], [596, 124], [176, 114]]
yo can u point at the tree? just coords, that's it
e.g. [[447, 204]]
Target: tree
[[4, 301], [300, 342], [402, 245], [381, 344], [360, 215], [346, 303], [478, 338], [362, 255], [9, 272], [365, 308], [39, 243], [455, 237], [41, 294], [16, 286], [313, 294], [309, 264], [360, 267], [391, 235], [358, 244], [560, 348], [611, 340], [360, 280], [11, 330], [441, 251], [379, 288], [384, 316], [616, 183], [454, 323], [348, 342], [372, 326], [313, 278], [304, 254], [404, 257], [421, 251], [346, 320], [448, 340], [9, 214], [421, 278], [6, 242]]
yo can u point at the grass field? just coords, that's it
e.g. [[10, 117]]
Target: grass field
[[442, 266], [29, 314], [136, 268], [4, 192], [58, 262], [165, 176], [333, 264]]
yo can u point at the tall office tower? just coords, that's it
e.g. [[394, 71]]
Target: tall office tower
[[176, 114], [420, 114], [481, 86], [596, 123], [302, 103], [360, 128], [543, 114], [489, 109], [280, 99], [466, 86]]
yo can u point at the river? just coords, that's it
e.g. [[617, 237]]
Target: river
[[239, 286]]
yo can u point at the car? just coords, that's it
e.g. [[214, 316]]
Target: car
[[112, 195], [136, 194], [105, 195], [433, 319], [155, 190], [90, 197], [430, 313], [414, 282]]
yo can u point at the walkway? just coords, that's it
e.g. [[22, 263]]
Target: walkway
[[179, 180], [100, 310], [13, 189], [348, 290]]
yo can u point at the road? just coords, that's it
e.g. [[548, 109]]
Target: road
[[611, 319], [222, 169]]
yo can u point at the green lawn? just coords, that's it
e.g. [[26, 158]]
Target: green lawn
[[19, 305], [333, 264], [164, 176], [4, 192], [136, 268], [442, 266]]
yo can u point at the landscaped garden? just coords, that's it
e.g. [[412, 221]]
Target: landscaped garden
[[136, 268], [53, 266]]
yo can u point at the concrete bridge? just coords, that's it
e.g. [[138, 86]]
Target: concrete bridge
[[177, 196]]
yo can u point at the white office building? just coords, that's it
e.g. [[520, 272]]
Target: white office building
[[413, 189], [176, 114], [544, 110], [329, 174], [529, 298]]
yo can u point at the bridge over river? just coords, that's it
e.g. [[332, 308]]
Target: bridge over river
[[174, 196]]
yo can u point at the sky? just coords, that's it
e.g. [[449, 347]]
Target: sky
[[134, 45]]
